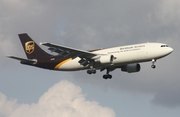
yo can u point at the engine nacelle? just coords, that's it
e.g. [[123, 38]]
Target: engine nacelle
[[130, 68], [107, 59]]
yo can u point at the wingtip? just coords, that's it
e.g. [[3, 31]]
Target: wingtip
[[9, 56]]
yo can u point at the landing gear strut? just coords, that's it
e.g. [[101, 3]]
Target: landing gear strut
[[92, 70], [153, 62], [107, 75]]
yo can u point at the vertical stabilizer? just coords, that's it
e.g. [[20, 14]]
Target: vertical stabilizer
[[32, 50]]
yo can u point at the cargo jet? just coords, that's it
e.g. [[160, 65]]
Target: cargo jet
[[127, 58]]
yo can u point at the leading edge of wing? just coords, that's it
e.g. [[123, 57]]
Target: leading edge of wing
[[73, 51]]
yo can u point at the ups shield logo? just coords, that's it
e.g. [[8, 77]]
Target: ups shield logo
[[29, 47]]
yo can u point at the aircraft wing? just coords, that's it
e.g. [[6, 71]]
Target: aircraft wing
[[69, 52], [23, 61]]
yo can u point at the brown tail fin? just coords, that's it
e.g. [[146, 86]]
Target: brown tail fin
[[32, 50]]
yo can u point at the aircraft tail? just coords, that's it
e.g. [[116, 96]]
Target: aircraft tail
[[32, 50]]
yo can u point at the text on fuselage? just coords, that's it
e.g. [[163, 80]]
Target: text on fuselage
[[128, 48]]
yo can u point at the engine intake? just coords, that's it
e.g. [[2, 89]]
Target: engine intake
[[130, 68]]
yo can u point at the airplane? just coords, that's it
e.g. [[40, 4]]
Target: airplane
[[127, 58]]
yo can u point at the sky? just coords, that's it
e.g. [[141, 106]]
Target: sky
[[89, 24]]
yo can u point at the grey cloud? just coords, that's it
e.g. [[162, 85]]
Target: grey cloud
[[168, 97]]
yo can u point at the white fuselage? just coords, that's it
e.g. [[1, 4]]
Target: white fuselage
[[123, 55]]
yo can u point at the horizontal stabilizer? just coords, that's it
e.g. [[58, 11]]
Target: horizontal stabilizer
[[23, 61]]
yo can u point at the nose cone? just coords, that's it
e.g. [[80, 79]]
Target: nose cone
[[170, 50]]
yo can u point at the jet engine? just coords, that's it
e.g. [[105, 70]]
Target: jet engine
[[107, 59], [130, 68]]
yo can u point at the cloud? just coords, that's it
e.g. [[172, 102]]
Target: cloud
[[64, 99], [170, 98], [6, 106]]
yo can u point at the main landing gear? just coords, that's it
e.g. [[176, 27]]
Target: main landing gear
[[107, 75], [153, 62], [91, 71]]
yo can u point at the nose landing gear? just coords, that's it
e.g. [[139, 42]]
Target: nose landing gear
[[153, 62]]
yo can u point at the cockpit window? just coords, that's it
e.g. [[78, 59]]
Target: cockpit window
[[164, 45]]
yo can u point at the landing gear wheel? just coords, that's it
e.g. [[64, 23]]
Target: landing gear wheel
[[91, 71], [94, 71], [107, 76], [153, 66]]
